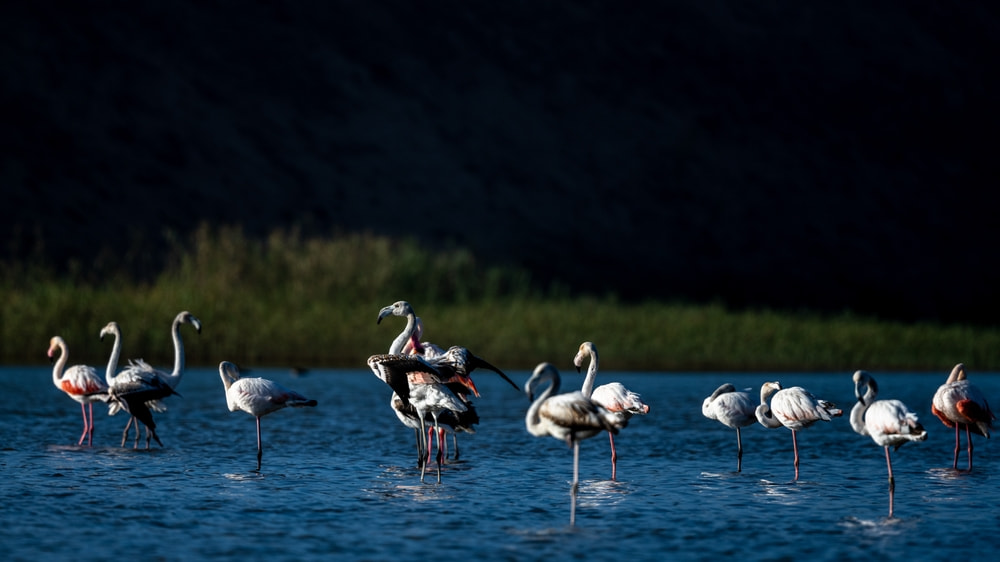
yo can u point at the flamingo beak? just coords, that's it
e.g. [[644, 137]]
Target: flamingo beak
[[467, 382], [383, 313]]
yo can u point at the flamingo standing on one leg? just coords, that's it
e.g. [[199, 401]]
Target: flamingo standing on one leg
[[257, 397], [795, 408], [734, 409], [889, 422], [613, 396], [958, 403], [79, 382], [568, 417]]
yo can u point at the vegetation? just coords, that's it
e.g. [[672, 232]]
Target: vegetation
[[291, 300]]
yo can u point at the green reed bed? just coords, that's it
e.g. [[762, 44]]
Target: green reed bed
[[294, 300]]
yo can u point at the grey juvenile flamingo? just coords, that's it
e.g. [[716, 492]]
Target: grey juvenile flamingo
[[568, 417]]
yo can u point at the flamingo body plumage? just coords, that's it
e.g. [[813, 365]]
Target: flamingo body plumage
[[734, 409]]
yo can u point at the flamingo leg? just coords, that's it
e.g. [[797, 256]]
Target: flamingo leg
[[576, 482], [125, 433], [614, 457], [739, 451], [420, 452], [957, 447], [795, 448], [90, 428], [968, 439], [440, 434], [260, 448], [430, 436], [454, 439], [83, 409], [892, 481], [423, 465], [443, 439]]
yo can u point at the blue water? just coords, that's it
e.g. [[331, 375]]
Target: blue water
[[339, 481]]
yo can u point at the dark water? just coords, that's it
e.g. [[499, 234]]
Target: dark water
[[339, 481]]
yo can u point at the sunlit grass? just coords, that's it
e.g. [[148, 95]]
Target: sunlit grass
[[292, 300]]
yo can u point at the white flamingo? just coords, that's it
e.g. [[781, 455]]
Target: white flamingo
[[795, 408], [613, 396], [958, 403], [257, 397], [134, 390], [889, 422], [173, 379], [568, 417], [734, 409], [81, 383]]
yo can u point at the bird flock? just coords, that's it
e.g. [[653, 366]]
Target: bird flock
[[431, 389], [890, 423]]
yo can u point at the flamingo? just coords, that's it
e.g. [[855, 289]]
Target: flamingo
[[889, 422], [959, 403], [613, 397], [79, 382], [135, 390], [405, 372], [734, 409], [173, 379], [568, 417], [257, 397], [795, 408], [419, 384]]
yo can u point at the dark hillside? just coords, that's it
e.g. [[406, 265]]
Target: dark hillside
[[765, 154]]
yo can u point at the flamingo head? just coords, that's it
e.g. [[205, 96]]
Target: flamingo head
[[188, 318], [586, 349], [111, 328], [53, 346], [398, 308]]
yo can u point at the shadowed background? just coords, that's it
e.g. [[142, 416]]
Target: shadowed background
[[793, 156]]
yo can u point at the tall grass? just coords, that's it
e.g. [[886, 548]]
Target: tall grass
[[293, 300]]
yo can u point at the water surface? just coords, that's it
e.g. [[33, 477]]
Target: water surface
[[340, 480]]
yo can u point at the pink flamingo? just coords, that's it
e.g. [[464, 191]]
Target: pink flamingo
[[257, 397], [734, 409], [795, 408], [613, 396], [81, 383], [889, 422], [959, 403]]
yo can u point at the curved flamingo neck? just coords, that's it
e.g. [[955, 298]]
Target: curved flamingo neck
[[532, 419], [60, 366], [588, 383], [858, 417], [116, 351], [174, 378], [411, 326], [861, 407]]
